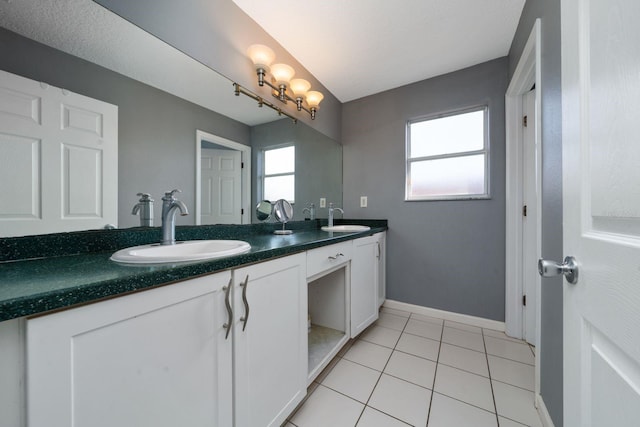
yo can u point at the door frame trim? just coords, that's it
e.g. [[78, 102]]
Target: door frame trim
[[526, 74], [245, 158]]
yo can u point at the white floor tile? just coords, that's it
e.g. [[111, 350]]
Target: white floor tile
[[424, 329], [464, 339], [395, 311], [374, 418], [353, 380], [464, 358], [512, 372], [346, 347], [463, 326], [509, 350], [411, 368], [288, 424], [501, 335], [381, 336], [506, 422], [516, 404], [423, 318], [326, 407], [447, 412], [400, 399], [464, 386], [326, 370], [391, 321], [419, 346], [371, 355]]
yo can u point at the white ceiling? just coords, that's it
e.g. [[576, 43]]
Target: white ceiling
[[357, 48]]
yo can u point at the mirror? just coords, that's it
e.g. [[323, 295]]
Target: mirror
[[159, 109], [283, 211], [263, 210]]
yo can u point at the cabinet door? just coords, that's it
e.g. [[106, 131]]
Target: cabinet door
[[153, 358], [382, 267], [271, 342], [364, 284]]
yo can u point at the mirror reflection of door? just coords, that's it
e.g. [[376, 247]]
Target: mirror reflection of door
[[221, 186]]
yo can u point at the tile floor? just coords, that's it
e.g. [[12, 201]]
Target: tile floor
[[410, 369]]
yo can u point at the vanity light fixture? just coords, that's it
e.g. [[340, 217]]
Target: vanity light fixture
[[282, 82]]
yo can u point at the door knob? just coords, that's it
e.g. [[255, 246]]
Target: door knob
[[569, 268]]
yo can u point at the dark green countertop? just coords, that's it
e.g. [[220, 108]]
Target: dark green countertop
[[32, 284]]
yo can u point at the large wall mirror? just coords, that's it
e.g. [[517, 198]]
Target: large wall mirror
[[170, 108]]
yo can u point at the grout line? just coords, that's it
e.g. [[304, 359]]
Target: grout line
[[493, 395], [435, 373]]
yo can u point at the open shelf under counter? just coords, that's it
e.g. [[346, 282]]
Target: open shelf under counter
[[324, 344]]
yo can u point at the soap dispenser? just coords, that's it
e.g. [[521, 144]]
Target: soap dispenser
[[145, 208]]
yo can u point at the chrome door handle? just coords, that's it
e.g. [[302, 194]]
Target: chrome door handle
[[245, 318], [569, 268], [338, 255], [227, 294]]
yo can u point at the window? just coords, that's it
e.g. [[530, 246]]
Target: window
[[448, 157], [279, 166]]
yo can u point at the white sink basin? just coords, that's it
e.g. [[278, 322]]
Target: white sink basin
[[192, 250], [346, 228]]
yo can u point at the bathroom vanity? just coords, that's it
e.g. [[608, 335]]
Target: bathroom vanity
[[232, 346]]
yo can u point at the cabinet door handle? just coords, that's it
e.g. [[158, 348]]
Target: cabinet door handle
[[379, 253], [245, 318], [227, 302], [333, 258]]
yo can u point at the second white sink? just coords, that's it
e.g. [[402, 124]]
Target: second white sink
[[347, 228], [192, 250]]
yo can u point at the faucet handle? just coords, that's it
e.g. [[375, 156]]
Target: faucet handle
[[330, 205], [145, 197], [168, 195]]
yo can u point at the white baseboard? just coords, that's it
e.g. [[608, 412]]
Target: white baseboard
[[542, 412], [447, 315]]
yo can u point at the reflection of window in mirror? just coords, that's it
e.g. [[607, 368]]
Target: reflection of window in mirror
[[279, 166]]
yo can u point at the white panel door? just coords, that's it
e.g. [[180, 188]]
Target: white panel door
[[601, 209], [150, 359], [364, 284], [221, 186], [58, 159], [270, 340]]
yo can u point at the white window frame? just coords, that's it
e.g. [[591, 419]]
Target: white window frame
[[264, 174], [485, 151]]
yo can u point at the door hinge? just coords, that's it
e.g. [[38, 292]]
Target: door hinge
[[524, 300], [241, 211], [524, 210], [241, 165], [524, 121]]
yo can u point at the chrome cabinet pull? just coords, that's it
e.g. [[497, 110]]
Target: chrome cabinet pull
[[379, 253], [333, 258], [227, 302], [245, 318]]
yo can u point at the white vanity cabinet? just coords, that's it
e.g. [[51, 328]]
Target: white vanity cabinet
[[270, 340], [364, 283], [154, 358]]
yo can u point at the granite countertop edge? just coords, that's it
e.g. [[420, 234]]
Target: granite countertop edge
[[31, 287]]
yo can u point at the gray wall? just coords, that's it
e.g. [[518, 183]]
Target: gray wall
[[318, 163], [447, 255], [157, 131], [551, 319], [218, 33]]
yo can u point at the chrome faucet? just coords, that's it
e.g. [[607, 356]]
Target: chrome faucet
[[145, 208], [331, 209], [170, 206], [311, 210]]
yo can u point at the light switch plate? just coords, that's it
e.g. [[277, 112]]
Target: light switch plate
[[363, 201], [323, 202]]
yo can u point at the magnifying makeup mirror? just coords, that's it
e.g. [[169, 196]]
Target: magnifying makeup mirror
[[264, 210], [283, 211]]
